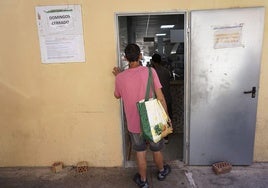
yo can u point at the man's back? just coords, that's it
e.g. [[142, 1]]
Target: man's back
[[164, 77], [131, 86]]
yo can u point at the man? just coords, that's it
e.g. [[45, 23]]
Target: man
[[130, 85], [164, 77]]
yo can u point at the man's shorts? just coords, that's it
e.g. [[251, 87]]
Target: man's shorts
[[140, 144]]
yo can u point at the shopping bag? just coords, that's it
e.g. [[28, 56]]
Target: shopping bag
[[153, 118]]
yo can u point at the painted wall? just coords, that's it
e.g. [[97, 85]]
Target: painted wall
[[67, 112]]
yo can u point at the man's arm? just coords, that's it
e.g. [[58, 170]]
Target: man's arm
[[116, 71], [116, 96], [161, 98]]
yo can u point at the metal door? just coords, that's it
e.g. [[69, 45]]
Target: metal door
[[225, 48]]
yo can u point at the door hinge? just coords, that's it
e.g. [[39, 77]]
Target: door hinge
[[188, 30]]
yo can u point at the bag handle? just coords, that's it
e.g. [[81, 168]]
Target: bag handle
[[149, 84]]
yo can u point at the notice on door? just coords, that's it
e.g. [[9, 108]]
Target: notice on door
[[228, 36], [60, 33]]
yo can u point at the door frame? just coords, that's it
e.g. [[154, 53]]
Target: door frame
[[186, 80]]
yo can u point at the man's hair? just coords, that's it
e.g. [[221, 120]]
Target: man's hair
[[132, 52], [156, 58]]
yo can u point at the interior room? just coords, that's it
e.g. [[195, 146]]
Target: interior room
[[162, 34]]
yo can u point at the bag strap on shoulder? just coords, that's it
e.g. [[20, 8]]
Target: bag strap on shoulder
[[149, 84]]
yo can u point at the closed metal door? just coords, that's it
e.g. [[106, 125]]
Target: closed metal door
[[225, 48]]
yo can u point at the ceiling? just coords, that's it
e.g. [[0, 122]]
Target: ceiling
[[133, 29]]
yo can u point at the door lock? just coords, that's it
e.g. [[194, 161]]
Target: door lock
[[253, 92]]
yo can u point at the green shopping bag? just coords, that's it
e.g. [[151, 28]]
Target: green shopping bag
[[153, 118]]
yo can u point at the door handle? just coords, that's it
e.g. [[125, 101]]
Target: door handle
[[253, 92]]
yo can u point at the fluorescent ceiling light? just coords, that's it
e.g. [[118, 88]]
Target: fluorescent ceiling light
[[166, 26], [160, 34]]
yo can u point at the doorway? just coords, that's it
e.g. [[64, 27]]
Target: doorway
[[164, 34]]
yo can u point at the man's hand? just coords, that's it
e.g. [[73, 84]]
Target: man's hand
[[168, 130], [169, 122], [116, 71]]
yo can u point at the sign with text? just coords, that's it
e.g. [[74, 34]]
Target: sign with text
[[228, 36], [60, 33]]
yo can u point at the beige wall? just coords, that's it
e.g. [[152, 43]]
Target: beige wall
[[67, 112]]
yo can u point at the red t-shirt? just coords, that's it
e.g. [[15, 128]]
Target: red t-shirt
[[130, 85]]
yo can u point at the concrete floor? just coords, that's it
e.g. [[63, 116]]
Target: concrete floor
[[94, 178], [254, 176]]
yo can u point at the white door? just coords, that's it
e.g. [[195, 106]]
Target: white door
[[225, 48]]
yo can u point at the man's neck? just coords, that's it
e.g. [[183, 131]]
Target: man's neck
[[134, 64]]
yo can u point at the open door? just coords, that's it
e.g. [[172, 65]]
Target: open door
[[164, 34], [225, 48]]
